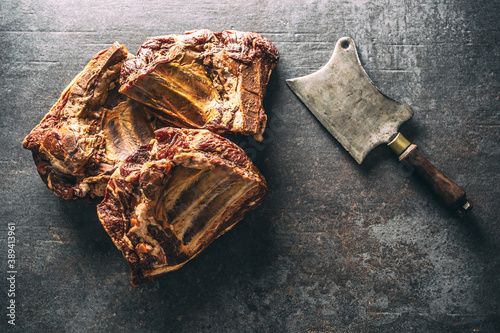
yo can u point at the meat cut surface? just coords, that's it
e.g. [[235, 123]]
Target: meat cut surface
[[91, 128], [204, 79], [171, 198]]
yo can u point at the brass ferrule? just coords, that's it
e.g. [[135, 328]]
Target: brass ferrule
[[399, 144]]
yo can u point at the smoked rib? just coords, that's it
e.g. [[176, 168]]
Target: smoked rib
[[91, 128], [171, 198], [204, 79], [168, 192]]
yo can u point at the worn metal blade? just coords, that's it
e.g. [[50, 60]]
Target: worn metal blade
[[348, 104]]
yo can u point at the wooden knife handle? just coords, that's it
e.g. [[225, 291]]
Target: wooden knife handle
[[452, 195]]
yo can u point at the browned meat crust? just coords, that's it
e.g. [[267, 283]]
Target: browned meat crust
[[204, 79], [170, 199], [92, 127]]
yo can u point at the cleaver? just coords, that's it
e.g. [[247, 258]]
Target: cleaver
[[360, 117]]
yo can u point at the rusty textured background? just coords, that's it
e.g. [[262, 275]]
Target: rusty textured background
[[336, 247]]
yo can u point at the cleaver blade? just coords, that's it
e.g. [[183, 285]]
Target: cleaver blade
[[348, 104], [360, 117]]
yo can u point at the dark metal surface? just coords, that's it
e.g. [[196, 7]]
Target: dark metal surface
[[336, 247]]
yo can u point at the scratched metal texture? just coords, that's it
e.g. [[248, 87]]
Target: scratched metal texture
[[336, 247]]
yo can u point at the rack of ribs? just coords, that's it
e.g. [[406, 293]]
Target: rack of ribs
[[92, 127], [171, 198], [204, 79], [168, 192]]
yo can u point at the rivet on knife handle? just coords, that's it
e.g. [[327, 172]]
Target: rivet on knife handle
[[453, 196]]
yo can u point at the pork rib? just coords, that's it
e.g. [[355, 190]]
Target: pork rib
[[204, 79], [92, 127], [171, 198]]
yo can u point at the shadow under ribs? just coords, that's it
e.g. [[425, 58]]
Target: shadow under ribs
[[168, 201]]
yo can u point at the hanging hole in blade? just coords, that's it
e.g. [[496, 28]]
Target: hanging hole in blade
[[345, 44]]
